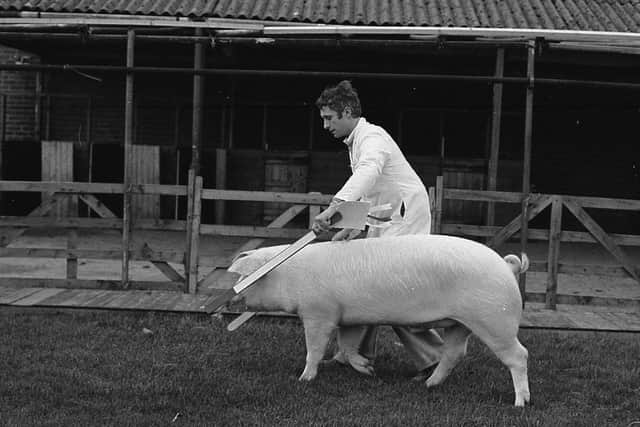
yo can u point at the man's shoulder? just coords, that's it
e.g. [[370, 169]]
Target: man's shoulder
[[367, 129]]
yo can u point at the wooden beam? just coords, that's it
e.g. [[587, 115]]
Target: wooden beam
[[526, 170], [189, 225], [221, 183], [555, 229], [437, 219], [128, 141], [194, 243], [3, 118], [99, 207], [163, 266], [168, 190], [24, 282], [538, 204], [604, 239], [72, 261], [496, 120], [482, 196], [198, 95]]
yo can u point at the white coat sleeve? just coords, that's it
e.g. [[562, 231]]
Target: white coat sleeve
[[373, 156]]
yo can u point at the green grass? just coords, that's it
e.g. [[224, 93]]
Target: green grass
[[99, 368]]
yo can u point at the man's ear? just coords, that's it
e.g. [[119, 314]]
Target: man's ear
[[347, 111]]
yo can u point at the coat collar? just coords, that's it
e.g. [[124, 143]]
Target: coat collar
[[349, 140]]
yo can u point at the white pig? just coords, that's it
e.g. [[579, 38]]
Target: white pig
[[442, 281]]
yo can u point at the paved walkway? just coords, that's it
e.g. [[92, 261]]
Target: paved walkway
[[568, 317], [586, 302]]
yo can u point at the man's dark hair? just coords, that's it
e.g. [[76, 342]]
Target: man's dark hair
[[340, 96]]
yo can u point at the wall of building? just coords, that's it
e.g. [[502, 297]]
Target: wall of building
[[18, 96], [257, 115]]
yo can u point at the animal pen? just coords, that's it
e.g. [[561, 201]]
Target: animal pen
[[133, 205]]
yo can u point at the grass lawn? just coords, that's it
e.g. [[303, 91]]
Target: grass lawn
[[79, 368]]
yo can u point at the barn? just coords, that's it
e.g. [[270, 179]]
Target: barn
[[199, 118]]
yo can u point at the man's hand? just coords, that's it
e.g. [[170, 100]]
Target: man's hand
[[346, 234], [321, 223]]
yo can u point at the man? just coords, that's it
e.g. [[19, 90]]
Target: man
[[380, 175]]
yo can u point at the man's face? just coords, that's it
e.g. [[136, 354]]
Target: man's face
[[340, 127]]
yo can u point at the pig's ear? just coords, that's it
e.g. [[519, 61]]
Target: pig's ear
[[242, 255], [245, 264]]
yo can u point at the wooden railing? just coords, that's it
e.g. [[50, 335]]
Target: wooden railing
[[494, 236], [11, 227], [537, 203]]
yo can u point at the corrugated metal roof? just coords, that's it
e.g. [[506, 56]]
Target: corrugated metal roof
[[590, 15]]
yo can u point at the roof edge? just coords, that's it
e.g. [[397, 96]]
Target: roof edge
[[530, 34], [271, 28]]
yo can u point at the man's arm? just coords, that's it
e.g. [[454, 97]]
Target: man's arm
[[373, 156]]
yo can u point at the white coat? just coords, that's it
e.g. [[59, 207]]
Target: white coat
[[381, 175]]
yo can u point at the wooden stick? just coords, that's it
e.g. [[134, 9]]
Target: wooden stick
[[219, 301], [278, 222], [240, 320], [555, 229]]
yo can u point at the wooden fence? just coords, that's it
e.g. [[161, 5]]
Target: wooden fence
[[57, 192], [495, 235], [11, 227]]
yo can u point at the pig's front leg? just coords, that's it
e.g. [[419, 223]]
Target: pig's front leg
[[317, 333]]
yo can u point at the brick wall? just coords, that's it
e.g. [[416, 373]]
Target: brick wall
[[17, 89]]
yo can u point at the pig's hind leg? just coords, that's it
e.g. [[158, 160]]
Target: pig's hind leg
[[317, 334], [503, 341], [453, 349]]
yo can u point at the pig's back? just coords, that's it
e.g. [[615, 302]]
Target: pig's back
[[396, 277]]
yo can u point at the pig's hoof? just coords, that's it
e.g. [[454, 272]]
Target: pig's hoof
[[361, 364], [307, 376], [424, 374]]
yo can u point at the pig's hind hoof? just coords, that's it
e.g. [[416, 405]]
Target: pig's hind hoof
[[307, 376]]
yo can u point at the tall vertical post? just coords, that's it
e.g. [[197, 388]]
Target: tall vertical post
[[437, 217], [198, 96], [221, 183], [38, 107], [194, 170], [555, 231], [128, 140], [2, 133], [496, 119], [526, 169]]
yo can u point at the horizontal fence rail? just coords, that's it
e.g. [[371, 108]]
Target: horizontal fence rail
[[536, 203], [312, 203]]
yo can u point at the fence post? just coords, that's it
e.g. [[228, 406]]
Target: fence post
[[437, 228], [314, 210], [555, 229], [72, 259], [128, 140], [194, 243], [188, 226], [221, 183]]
